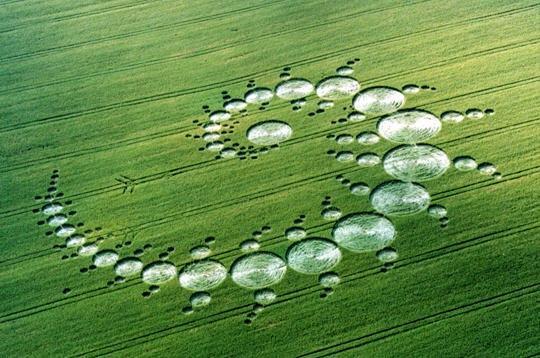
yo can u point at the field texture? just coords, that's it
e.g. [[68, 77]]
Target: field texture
[[269, 178]]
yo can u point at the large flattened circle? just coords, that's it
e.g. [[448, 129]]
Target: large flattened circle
[[378, 100], [313, 256], [269, 132], [128, 266], [398, 198], [258, 270], [294, 88], [202, 275], [336, 87], [363, 232], [416, 162], [409, 126], [158, 272]]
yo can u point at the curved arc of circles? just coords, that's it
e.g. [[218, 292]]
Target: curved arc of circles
[[519, 229], [370, 198], [352, 277], [114, 187]]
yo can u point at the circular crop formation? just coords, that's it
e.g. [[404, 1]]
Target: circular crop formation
[[359, 189], [264, 296], [269, 132], [128, 266], [368, 159], [219, 116], [202, 275], [258, 270], [487, 168], [57, 220], [329, 279], [363, 232], [259, 95], [65, 230], [397, 198], [378, 100], [409, 126], [368, 138], [105, 258], [465, 163], [387, 254], [158, 273], [88, 249], [200, 252], [344, 139], [234, 105], [452, 117], [212, 127], [437, 211], [337, 87], [200, 299], [331, 213], [75, 240], [416, 162], [313, 256], [345, 156], [294, 88], [295, 233], [410, 162], [52, 208], [249, 245]]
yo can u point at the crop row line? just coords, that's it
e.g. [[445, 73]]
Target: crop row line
[[101, 11], [264, 193], [186, 128], [9, 2], [182, 92], [136, 229], [430, 254], [193, 54], [176, 25], [187, 55], [211, 163], [285, 298], [425, 321], [486, 183]]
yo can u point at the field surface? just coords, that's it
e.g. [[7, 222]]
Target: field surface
[[115, 149]]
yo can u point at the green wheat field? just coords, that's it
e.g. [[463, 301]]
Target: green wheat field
[[175, 183]]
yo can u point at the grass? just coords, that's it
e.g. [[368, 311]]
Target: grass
[[102, 90]]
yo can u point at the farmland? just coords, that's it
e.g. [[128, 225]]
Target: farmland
[[105, 109]]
